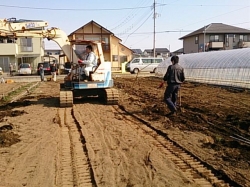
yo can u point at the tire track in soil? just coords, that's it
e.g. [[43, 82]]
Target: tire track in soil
[[107, 139], [74, 168]]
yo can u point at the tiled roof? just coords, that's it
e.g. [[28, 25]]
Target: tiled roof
[[137, 51], [217, 28], [157, 50]]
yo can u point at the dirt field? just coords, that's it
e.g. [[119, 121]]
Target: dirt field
[[39, 140]]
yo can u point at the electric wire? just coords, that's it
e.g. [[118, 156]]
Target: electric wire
[[139, 26], [106, 9], [77, 9], [130, 14]]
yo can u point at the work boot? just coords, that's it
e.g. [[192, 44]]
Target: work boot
[[86, 79], [171, 114]]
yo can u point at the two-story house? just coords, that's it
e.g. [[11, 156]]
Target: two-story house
[[113, 50], [216, 36], [159, 52], [21, 50]]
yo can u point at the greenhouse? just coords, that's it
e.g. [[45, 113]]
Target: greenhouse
[[227, 68]]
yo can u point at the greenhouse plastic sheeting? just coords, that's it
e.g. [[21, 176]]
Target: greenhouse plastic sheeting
[[227, 68]]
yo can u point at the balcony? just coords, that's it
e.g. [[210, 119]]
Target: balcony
[[242, 44], [24, 48], [215, 45], [8, 48]]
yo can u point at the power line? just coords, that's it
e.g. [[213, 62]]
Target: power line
[[139, 26], [217, 16], [129, 18], [159, 32], [103, 9], [126, 18], [77, 9]]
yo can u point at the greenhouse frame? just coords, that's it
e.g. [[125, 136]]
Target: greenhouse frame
[[226, 68]]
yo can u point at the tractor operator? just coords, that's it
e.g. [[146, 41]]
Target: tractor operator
[[89, 63]]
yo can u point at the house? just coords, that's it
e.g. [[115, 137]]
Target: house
[[137, 51], [113, 50], [163, 52], [20, 50], [177, 52], [216, 36], [53, 54]]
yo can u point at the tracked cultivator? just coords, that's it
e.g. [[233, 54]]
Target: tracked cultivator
[[108, 96], [99, 85]]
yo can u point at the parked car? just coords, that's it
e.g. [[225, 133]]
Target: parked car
[[1, 71], [46, 66], [24, 69], [147, 64]]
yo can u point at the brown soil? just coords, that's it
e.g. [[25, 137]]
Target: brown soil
[[209, 116], [30, 139]]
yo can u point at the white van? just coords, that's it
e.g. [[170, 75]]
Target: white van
[[147, 64]]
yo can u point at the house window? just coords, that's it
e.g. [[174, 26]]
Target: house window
[[245, 38], [115, 58], [4, 63], [105, 40], [241, 37], [196, 40], [234, 38], [26, 44], [227, 40], [214, 38]]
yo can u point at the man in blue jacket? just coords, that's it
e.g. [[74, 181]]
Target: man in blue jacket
[[174, 78]]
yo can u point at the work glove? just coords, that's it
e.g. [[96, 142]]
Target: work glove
[[161, 85]]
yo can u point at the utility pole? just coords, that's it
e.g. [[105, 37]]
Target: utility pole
[[154, 30]]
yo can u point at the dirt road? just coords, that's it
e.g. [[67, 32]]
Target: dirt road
[[132, 144]]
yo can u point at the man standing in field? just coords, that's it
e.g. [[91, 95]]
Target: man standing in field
[[174, 78], [53, 71], [41, 72]]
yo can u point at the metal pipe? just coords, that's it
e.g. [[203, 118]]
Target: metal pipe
[[154, 31]]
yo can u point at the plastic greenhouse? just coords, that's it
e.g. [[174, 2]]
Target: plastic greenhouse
[[227, 68]]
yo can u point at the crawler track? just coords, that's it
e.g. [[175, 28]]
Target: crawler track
[[111, 96], [195, 169], [75, 169], [66, 98]]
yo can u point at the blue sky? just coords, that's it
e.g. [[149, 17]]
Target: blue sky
[[132, 21]]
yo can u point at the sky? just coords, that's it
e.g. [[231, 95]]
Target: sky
[[133, 21]]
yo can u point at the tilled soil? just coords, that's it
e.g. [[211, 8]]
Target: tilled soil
[[209, 116], [30, 135]]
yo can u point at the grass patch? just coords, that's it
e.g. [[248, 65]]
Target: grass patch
[[15, 92]]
